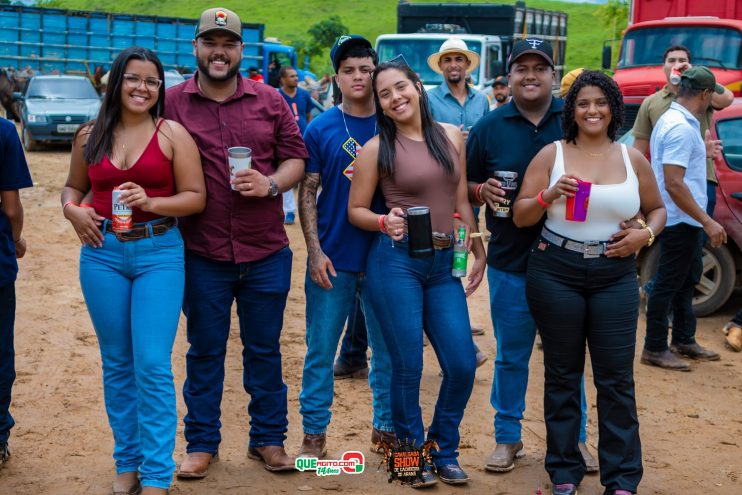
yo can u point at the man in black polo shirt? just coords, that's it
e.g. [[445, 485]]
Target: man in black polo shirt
[[506, 140]]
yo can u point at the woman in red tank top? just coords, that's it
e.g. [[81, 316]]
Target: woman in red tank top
[[418, 162], [133, 279]]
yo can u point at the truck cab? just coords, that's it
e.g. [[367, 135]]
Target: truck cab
[[417, 47]]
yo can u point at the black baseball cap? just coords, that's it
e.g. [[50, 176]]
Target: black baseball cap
[[500, 81], [531, 45], [343, 44]]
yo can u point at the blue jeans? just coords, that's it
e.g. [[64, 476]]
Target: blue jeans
[[515, 334], [679, 271], [7, 358], [134, 291], [260, 289], [355, 340], [407, 295], [326, 313]]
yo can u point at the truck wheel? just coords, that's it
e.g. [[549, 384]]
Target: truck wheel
[[29, 143], [717, 280]]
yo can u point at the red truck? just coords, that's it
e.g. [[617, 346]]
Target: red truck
[[711, 29]]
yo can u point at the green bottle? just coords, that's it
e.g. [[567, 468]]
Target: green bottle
[[460, 255]]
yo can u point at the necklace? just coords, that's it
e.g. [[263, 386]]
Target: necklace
[[593, 154], [342, 112]]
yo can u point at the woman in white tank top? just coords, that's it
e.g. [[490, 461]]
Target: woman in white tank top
[[581, 281]]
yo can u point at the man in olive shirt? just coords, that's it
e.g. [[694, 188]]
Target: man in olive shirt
[[679, 58]]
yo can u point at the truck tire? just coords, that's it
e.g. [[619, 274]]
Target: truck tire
[[717, 280], [29, 143]]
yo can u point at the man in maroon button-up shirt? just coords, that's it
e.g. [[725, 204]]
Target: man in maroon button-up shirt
[[237, 248]]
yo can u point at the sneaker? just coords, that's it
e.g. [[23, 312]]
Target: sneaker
[[564, 489], [290, 218]]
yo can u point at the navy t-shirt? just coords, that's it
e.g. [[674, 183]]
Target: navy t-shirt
[[332, 154], [300, 106], [505, 140], [13, 176]]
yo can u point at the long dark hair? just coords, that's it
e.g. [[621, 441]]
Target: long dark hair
[[609, 88], [433, 133], [100, 137]]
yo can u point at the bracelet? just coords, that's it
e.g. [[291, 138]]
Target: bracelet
[[457, 215], [541, 200], [382, 226], [86, 205], [651, 235], [69, 203], [478, 192]]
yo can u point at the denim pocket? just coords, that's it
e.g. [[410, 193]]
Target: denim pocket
[[168, 240]]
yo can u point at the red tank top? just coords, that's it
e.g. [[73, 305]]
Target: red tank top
[[153, 171]]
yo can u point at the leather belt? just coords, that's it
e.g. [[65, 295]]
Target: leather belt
[[141, 231], [442, 241], [589, 249]]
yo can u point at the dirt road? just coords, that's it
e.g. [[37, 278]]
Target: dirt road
[[691, 424]]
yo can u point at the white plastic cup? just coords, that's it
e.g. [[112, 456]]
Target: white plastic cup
[[240, 158]]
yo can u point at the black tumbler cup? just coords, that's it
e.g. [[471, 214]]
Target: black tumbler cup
[[420, 232]]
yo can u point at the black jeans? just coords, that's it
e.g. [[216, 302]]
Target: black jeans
[[575, 300], [679, 271], [7, 357], [355, 341]]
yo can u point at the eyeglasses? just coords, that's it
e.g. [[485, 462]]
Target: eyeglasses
[[133, 81]]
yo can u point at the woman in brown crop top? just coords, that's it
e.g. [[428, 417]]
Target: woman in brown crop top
[[417, 161]]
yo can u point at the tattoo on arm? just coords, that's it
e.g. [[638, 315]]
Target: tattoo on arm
[[308, 212]]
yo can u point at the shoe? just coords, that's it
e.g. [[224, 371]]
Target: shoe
[[695, 351], [195, 465], [618, 492], [378, 436], [564, 489], [591, 463], [135, 489], [733, 334], [428, 479], [502, 459], [4, 453], [452, 474], [477, 330], [342, 370], [290, 218], [481, 358], [273, 456], [313, 446], [664, 359]]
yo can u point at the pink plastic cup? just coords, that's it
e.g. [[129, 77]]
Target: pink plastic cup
[[577, 205]]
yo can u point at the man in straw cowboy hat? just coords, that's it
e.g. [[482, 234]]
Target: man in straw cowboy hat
[[454, 102]]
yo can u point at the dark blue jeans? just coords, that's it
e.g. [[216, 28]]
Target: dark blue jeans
[[679, 271], [407, 295], [7, 357], [355, 340], [260, 289], [574, 301]]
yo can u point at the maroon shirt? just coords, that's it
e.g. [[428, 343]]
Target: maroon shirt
[[232, 227]]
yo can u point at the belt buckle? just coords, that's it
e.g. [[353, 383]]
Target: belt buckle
[[591, 250]]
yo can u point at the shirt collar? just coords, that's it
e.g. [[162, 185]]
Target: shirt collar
[[447, 91], [509, 110], [245, 86], [680, 108], [666, 93]]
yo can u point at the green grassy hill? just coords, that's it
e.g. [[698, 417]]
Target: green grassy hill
[[289, 19]]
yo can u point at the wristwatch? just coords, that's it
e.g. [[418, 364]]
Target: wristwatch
[[272, 188]]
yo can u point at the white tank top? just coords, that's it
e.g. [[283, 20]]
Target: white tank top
[[609, 205]]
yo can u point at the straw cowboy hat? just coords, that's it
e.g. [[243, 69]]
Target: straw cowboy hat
[[454, 45]]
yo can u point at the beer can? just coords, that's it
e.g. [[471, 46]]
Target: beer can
[[121, 217]]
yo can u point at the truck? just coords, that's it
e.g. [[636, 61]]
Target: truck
[[711, 30], [488, 29], [77, 42]]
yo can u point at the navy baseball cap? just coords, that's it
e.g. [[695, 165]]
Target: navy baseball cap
[[343, 44], [532, 45], [500, 81]]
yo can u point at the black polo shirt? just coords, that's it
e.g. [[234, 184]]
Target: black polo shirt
[[505, 140]]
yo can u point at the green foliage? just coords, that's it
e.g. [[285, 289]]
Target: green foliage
[[322, 36], [289, 19], [614, 16]]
